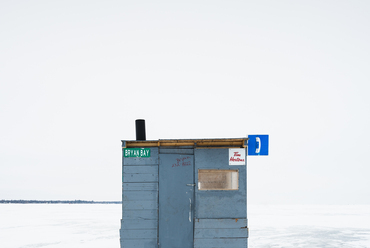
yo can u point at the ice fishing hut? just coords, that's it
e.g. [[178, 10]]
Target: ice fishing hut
[[184, 193]]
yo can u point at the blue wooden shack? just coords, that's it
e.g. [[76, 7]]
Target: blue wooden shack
[[184, 193]]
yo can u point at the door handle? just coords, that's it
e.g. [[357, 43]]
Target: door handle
[[190, 210], [190, 184]]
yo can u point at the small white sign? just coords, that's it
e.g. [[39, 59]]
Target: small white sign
[[236, 156]]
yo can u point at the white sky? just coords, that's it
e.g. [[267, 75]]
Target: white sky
[[75, 75]]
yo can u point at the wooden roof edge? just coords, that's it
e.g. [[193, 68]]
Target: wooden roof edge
[[232, 142]]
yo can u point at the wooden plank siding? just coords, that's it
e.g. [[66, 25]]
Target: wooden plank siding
[[218, 218], [139, 224], [221, 243], [223, 233], [140, 214]]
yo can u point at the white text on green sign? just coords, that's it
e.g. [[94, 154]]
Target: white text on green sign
[[136, 152]]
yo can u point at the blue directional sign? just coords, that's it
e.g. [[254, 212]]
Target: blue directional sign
[[258, 145]]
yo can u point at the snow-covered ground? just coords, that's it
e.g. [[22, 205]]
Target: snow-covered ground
[[97, 226], [59, 225], [309, 226]]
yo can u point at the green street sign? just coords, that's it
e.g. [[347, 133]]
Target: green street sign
[[136, 152]]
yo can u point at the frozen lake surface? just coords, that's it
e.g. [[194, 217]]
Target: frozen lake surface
[[59, 225], [321, 226], [97, 226]]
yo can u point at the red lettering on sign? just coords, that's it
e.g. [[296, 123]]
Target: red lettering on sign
[[237, 154], [236, 159]]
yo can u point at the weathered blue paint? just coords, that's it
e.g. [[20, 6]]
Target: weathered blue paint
[[233, 230], [139, 214], [139, 234], [139, 225], [217, 204], [140, 186], [139, 169], [138, 243], [150, 196], [220, 223], [176, 200], [221, 243], [162, 206]]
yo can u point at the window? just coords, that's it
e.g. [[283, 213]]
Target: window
[[218, 179]]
